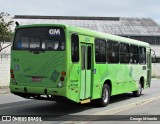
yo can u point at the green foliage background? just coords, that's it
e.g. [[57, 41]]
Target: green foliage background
[[5, 31]]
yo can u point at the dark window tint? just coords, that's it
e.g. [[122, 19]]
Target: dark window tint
[[112, 52], [75, 48], [41, 38], [124, 53], [89, 58], [142, 55], [100, 50], [133, 54], [83, 49]]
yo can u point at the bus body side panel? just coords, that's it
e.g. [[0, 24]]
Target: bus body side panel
[[137, 71], [81, 78], [100, 73], [119, 75], [125, 77], [74, 73], [74, 82]]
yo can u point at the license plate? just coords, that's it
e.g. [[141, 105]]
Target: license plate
[[36, 79]]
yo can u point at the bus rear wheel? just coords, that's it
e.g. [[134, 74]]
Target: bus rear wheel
[[105, 97], [138, 92]]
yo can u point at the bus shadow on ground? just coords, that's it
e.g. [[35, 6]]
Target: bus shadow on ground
[[51, 109], [122, 97], [42, 107]]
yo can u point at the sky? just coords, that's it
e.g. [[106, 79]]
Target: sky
[[104, 8]]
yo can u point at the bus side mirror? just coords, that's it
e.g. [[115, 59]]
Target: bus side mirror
[[17, 24], [153, 55]]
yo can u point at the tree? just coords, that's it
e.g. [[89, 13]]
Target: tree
[[5, 31]]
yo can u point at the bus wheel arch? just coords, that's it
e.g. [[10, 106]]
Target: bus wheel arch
[[138, 92], [109, 84], [105, 94], [141, 81]]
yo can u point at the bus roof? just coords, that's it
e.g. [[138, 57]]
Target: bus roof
[[107, 36], [92, 33]]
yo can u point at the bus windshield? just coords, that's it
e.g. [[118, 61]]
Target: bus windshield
[[40, 38]]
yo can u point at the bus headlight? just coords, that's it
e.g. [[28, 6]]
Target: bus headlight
[[60, 84]]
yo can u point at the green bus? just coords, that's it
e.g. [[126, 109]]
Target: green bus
[[58, 62]]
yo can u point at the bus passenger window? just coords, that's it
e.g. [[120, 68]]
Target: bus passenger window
[[124, 53], [112, 52], [100, 50], [75, 48], [133, 54], [142, 55]]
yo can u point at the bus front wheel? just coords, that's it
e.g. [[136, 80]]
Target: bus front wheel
[[105, 97], [138, 92]]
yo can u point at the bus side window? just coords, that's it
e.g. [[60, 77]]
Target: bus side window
[[142, 55], [112, 51], [100, 51], [74, 48], [124, 53], [133, 54]]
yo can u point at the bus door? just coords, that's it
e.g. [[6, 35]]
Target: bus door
[[148, 67], [86, 64]]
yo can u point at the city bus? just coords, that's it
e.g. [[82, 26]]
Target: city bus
[[62, 62]]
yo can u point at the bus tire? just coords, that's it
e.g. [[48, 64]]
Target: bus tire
[[105, 97], [138, 92]]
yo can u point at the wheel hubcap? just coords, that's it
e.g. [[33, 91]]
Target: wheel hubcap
[[139, 89], [105, 95]]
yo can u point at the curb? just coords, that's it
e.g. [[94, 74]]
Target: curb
[[4, 90]]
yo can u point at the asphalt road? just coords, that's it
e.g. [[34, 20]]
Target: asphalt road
[[120, 106]]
